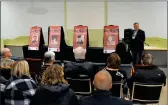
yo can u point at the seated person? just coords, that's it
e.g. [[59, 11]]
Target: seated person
[[49, 59], [21, 87], [5, 61], [3, 83], [102, 95], [80, 66], [113, 67], [147, 72], [124, 55], [54, 89]]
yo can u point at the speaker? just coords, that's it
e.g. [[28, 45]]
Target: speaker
[[128, 35]]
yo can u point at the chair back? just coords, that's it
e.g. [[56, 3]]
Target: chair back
[[127, 69], [144, 93], [34, 65], [80, 86], [6, 73], [100, 66], [117, 89]]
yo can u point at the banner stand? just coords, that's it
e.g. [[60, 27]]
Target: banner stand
[[80, 37], [36, 38], [111, 38]]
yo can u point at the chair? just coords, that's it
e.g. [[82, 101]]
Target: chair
[[6, 73], [100, 66], [117, 89], [80, 86], [144, 93], [127, 69], [34, 67]]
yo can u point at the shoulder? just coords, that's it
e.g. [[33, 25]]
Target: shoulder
[[121, 101]]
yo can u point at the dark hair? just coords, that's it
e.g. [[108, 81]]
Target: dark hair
[[113, 61], [121, 49], [136, 23]]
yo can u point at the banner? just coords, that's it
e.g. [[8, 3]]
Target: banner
[[111, 38], [80, 37], [54, 38], [34, 41]]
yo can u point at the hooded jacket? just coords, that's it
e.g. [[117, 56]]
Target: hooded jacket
[[59, 94]]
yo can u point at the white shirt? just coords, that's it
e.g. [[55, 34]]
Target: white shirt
[[134, 34]]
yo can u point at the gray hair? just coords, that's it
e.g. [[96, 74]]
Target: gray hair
[[49, 56], [4, 50], [79, 53], [147, 59]]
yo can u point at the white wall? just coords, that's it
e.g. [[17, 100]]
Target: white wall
[[90, 14], [152, 16], [18, 17]]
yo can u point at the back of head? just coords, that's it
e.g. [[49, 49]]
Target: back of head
[[6, 52], [147, 59], [113, 61], [102, 80], [49, 57], [53, 75], [120, 49], [21, 68], [79, 53]]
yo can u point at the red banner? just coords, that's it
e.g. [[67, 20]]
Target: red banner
[[34, 41], [54, 38], [80, 36], [111, 38]]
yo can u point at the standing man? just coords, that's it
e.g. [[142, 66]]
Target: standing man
[[137, 44]]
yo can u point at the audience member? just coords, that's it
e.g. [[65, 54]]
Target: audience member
[[102, 96], [124, 55], [5, 61], [21, 87], [147, 72], [54, 89], [113, 67], [80, 66], [3, 82], [49, 59]]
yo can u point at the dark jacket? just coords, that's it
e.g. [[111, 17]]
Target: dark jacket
[[147, 74], [101, 97], [59, 94], [137, 44], [80, 67], [117, 75]]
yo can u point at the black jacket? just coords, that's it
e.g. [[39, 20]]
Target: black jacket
[[80, 67], [59, 94], [147, 74], [101, 97], [137, 44]]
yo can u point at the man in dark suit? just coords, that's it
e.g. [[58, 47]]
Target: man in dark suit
[[137, 43]]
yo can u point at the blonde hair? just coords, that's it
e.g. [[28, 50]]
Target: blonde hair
[[20, 68], [53, 75]]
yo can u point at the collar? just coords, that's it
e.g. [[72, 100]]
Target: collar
[[80, 60], [148, 67], [111, 69], [101, 92]]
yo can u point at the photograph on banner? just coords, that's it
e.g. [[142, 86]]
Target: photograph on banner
[[34, 38], [111, 37], [80, 36], [54, 38]]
